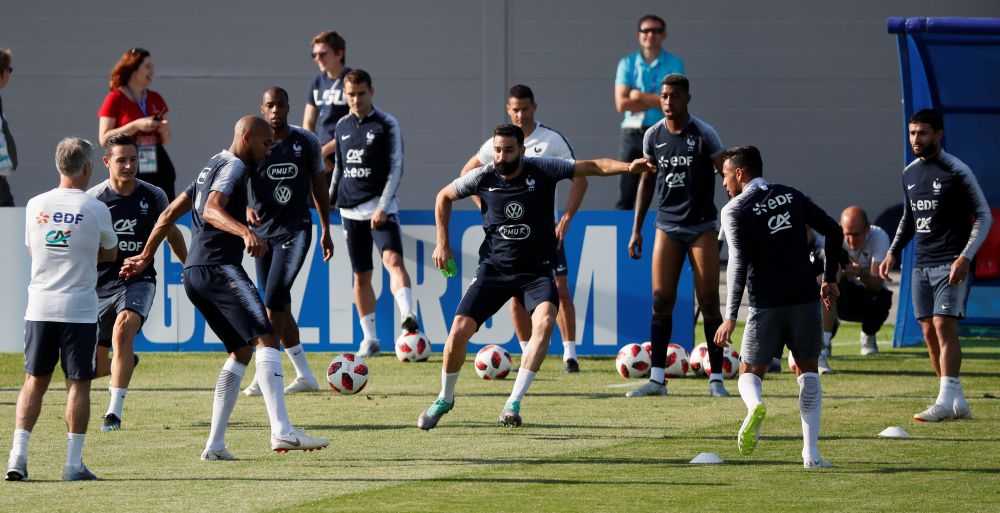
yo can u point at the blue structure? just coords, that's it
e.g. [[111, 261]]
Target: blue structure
[[952, 65]]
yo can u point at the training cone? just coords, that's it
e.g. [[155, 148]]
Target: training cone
[[893, 432], [707, 458]]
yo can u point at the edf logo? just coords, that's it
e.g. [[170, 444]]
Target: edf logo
[[67, 218]]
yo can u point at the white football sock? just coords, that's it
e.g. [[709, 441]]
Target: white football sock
[[948, 391], [827, 337], [117, 401], [810, 407], [271, 380], [227, 389], [74, 448], [959, 393], [448, 382], [20, 446], [368, 327], [404, 301], [297, 355], [658, 374], [569, 350], [521, 384], [524, 346], [715, 376], [751, 389]]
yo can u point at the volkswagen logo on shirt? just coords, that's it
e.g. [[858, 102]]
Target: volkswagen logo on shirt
[[514, 210], [282, 194], [125, 226], [282, 171]]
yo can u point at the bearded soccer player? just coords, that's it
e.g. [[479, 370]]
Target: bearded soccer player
[[516, 258]]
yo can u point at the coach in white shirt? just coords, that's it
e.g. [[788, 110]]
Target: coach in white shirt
[[67, 232]]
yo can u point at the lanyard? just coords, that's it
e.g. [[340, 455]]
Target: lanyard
[[141, 102]]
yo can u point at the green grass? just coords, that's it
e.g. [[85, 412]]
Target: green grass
[[583, 447]]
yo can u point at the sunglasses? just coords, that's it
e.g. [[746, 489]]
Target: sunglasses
[[651, 30], [319, 54]]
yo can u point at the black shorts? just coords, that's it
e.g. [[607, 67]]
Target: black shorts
[[229, 301], [360, 237], [137, 297], [73, 343], [491, 288], [561, 267], [277, 269]]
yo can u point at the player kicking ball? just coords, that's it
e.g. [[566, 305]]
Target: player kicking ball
[[765, 224], [516, 259]]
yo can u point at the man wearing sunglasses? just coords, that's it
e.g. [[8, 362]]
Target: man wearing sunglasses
[[637, 95], [8, 151], [325, 103]]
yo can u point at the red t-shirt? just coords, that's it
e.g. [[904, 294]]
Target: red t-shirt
[[117, 105]]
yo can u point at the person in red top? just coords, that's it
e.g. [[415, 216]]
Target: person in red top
[[132, 108]]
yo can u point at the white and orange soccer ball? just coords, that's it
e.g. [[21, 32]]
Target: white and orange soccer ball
[[632, 361], [677, 362], [730, 363], [413, 346], [347, 374], [493, 362], [698, 358]]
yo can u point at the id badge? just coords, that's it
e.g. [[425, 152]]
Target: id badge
[[147, 154], [6, 165], [633, 119]]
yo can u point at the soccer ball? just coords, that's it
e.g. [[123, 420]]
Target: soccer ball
[[347, 374], [698, 359], [791, 362], [413, 346], [648, 346], [493, 362], [730, 363], [677, 362], [632, 361]]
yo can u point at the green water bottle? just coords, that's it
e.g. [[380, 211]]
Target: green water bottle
[[450, 271]]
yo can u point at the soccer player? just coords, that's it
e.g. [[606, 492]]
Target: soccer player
[[124, 304], [280, 191], [326, 104], [541, 141], [942, 198], [516, 258], [765, 224], [687, 152], [67, 233], [369, 168], [218, 286]]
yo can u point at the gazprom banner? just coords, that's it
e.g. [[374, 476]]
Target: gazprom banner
[[612, 292]]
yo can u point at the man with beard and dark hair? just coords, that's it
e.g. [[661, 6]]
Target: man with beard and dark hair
[[516, 258], [942, 197], [280, 192]]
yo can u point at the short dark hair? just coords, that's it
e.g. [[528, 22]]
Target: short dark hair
[[930, 117], [746, 157], [120, 139], [676, 80], [280, 91], [521, 92], [653, 17], [334, 40], [358, 77], [509, 130]]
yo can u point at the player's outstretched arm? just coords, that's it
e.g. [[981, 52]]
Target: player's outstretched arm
[[216, 215], [442, 218], [612, 167], [177, 208]]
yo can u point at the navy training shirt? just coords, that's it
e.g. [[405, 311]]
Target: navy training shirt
[[517, 213], [281, 187], [685, 171], [369, 159], [941, 198], [768, 248], [133, 218], [327, 95], [227, 174]]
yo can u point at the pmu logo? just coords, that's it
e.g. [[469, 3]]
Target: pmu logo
[[514, 231], [780, 222], [41, 218], [57, 239], [354, 156], [282, 194], [674, 180], [923, 224], [125, 226], [282, 171], [513, 210]]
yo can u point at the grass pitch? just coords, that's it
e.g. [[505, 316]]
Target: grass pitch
[[583, 447]]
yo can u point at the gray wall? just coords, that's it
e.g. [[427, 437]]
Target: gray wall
[[814, 84]]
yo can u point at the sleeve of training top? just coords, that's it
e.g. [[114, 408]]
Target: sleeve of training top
[[338, 168], [395, 163], [161, 199], [905, 230], [713, 143], [485, 154], [465, 186], [736, 272], [647, 144], [228, 177], [818, 220], [315, 153], [984, 219], [109, 238], [560, 147], [557, 169]]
